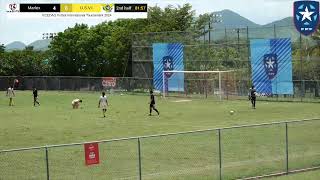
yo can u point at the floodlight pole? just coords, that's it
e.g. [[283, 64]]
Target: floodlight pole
[[209, 31], [49, 35], [214, 20], [238, 32]]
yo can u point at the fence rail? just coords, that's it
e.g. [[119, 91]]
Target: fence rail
[[237, 152], [195, 86]]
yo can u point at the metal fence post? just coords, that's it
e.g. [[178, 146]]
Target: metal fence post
[[209, 30], [287, 150], [220, 157], [225, 34], [248, 51], [139, 157], [274, 31], [238, 41], [300, 74], [47, 163]]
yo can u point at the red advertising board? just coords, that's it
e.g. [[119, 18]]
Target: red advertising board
[[109, 82], [91, 151]]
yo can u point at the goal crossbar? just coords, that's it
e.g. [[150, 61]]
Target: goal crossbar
[[195, 72]]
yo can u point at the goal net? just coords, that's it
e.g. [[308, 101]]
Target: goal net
[[203, 84]]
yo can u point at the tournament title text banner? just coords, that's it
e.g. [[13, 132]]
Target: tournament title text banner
[[115, 10]]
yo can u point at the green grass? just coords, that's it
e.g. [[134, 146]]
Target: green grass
[[245, 152]]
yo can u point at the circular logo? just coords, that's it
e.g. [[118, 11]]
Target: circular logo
[[107, 8], [13, 7]]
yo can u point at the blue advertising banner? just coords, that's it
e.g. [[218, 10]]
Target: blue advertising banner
[[271, 64], [168, 57]]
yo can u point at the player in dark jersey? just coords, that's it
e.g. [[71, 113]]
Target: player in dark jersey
[[152, 103], [35, 97], [253, 97]]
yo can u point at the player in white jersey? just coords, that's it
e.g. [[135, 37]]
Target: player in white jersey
[[76, 103], [10, 94], [103, 103]]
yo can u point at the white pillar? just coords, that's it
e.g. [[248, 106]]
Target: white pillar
[[163, 85]]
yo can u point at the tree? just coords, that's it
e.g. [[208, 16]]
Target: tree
[[68, 55], [169, 19], [2, 48], [29, 48], [105, 49], [201, 23], [24, 63]]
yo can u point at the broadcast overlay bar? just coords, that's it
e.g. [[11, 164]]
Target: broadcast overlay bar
[[39, 7], [130, 8], [83, 8]]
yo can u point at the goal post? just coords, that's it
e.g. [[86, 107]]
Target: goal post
[[198, 83]]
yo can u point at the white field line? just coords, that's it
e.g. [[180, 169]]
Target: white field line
[[182, 100], [196, 170]]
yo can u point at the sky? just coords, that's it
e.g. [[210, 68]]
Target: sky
[[29, 30]]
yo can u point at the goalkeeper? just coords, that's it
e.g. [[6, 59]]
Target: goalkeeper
[[252, 96]]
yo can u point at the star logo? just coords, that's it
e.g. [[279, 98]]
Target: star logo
[[306, 16], [270, 65], [167, 65]]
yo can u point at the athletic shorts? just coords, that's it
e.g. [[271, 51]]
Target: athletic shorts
[[103, 106]]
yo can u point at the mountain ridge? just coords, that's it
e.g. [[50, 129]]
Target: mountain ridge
[[230, 20]]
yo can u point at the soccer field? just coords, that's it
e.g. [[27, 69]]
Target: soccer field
[[55, 122], [183, 156]]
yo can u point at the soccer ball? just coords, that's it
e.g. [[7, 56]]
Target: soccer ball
[[231, 112]]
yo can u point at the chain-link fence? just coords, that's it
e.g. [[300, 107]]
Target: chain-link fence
[[76, 83], [229, 48], [202, 86], [227, 153]]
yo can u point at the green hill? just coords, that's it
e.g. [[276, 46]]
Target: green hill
[[16, 45], [41, 45], [232, 21]]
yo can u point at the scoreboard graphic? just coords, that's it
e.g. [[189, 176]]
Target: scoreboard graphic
[[100, 10]]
